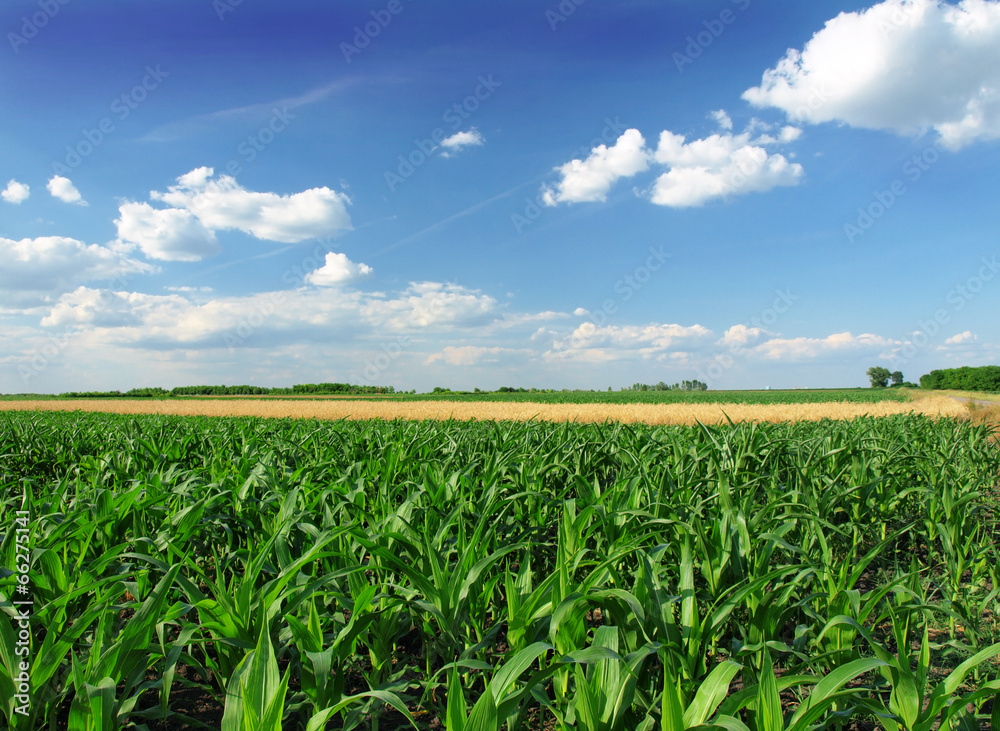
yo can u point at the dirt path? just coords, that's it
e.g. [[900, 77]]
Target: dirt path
[[978, 402]]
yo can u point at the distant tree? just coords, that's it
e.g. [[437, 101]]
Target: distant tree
[[897, 378], [879, 376]]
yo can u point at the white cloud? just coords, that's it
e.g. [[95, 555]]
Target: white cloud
[[430, 304], [170, 234], [15, 192], [55, 263], [469, 355], [789, 134], [459, 140], [717, 166], [203, 205], [222, 204], [96, 308], [906, 66], [741, 335], [800, 348], [302, 315], [63, 189], [722, 119], [338, 269], [190, 290], [592, 343], [966, 337], [591, 179]]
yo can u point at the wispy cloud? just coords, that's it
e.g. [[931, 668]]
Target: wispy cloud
[[200, 123]]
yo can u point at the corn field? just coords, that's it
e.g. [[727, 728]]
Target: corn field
[[251, 574]]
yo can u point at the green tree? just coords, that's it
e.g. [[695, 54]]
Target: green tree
[[897, 378], [880, 376]]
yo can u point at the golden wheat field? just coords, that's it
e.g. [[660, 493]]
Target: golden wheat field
[[420, 410]]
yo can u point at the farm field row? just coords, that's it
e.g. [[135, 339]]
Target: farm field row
[[649, 413], [288, 574], [793, 396]]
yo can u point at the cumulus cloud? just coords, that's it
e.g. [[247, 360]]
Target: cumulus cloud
[[55, 263], [460, 140], [95, 307], [590, 342], [222, 204], [591, 179], [470, 355], [202, 205], [801, 348], [15, 192], [301, 315], [906, 66], [170, 234], [429, 304], [718, 166], [967, 337], [63, 189], [741, 336], [722, 118], [337, 269]]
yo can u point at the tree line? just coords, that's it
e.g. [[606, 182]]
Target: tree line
[[983, 378], [244, 390], [661, 386]]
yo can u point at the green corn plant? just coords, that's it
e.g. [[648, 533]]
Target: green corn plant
[[527, 605], [708, 541], [255, 693], [97, 704], [913, 705], [570, 552], [433, 589], [603, 694], [236, 603], [680, 710], [502, 701], [762, 701], [322, 662], [836, 595], [387, 619]]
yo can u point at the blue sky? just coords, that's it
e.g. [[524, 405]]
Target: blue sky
[[562, 195]]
